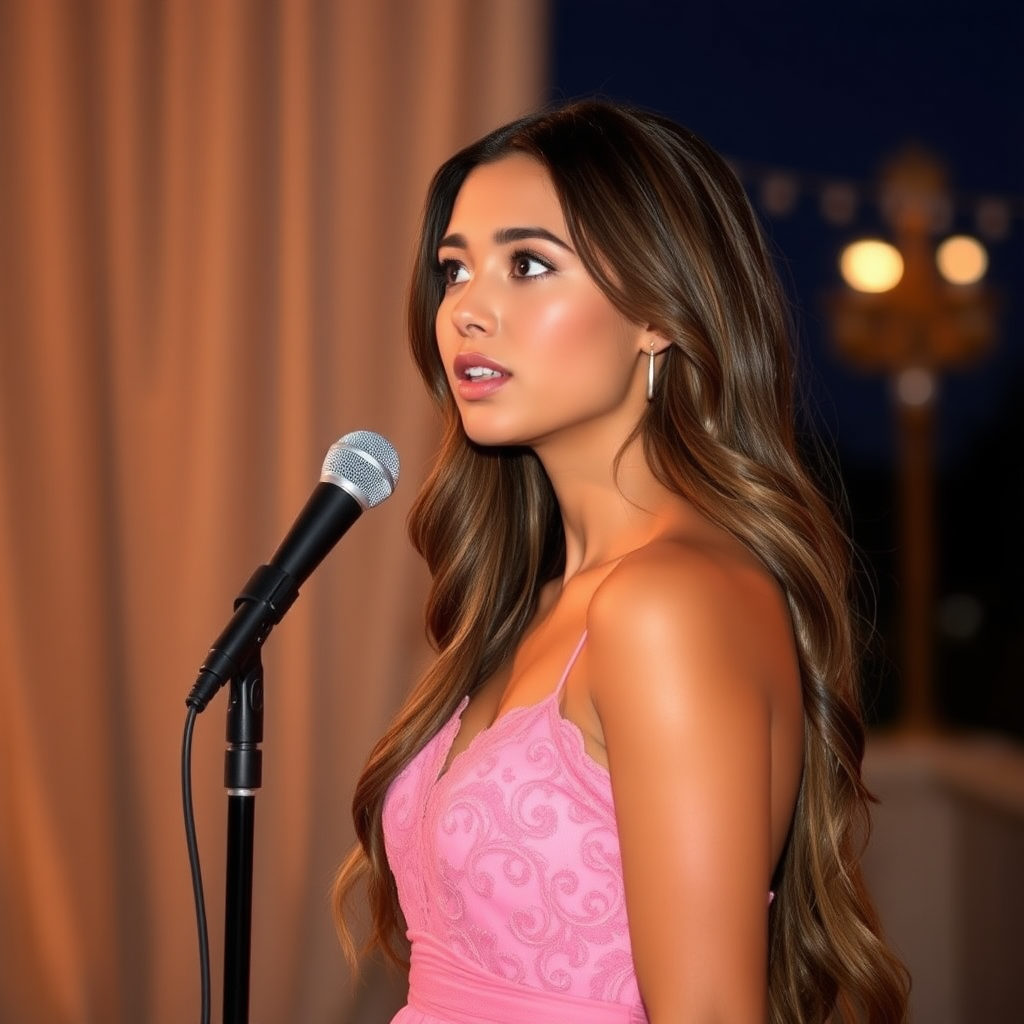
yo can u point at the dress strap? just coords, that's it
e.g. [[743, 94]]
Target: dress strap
[[572, 661]]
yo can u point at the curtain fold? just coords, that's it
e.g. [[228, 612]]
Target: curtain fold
[[207, 213]]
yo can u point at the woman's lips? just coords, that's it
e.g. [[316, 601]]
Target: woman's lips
[[476, 376]]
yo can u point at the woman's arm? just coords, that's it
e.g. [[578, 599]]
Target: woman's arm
[[687, 651]]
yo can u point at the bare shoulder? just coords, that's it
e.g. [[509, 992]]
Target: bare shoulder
[[692, 599], [692, 671]]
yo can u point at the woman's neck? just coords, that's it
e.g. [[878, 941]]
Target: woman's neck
[[609, 509]]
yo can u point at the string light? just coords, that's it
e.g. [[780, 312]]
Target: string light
[[779, 189]]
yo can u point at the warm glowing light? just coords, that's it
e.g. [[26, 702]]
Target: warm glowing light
[[871, 266], [915, 386], [962, 260]]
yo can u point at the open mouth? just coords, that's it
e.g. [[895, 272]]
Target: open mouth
[[476, 367]]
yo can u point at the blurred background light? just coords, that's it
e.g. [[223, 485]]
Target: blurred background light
[[962, 260], [915, 386], [871, 265]]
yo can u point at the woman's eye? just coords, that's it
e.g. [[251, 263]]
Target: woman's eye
[[453, 272], [526, 264]]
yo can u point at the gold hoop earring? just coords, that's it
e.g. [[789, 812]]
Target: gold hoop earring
[[650, 375]]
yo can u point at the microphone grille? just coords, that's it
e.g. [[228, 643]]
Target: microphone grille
[[365, 464]]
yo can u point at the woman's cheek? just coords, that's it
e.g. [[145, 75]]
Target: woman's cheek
[[561, 326]]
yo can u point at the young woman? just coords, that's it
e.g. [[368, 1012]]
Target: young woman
[[628, 790]]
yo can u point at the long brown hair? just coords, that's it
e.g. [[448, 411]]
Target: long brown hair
[[665, 230]]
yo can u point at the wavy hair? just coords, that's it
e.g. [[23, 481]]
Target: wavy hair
[[665, 230]]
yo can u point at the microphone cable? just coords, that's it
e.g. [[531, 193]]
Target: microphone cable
[[193, 860]]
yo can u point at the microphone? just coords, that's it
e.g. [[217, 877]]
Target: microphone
[[359, 472]]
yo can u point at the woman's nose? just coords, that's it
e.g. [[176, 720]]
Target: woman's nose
[[474, 311]]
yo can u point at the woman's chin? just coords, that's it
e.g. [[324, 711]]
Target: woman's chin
[[495, 439], [489, 434]]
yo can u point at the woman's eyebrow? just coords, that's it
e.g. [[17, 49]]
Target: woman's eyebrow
[[505, 235]]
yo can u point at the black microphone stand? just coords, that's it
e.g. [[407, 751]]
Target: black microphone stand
[[243, 776], [360, 471]]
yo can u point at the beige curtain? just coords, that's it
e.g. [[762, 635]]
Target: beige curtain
[[206, 216]]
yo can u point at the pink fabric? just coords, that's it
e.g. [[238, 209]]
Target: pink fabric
[[509, 876], [445, 988]]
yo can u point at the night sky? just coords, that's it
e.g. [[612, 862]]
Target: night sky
[[827, 92]]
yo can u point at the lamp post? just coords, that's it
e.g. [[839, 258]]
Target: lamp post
[[911, 323]]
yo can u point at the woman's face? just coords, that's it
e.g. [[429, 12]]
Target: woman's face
[[532, 347]]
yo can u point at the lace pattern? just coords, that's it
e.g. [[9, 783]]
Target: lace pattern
[[511, 857]]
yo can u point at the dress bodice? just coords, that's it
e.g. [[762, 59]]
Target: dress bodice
[[510, 860]]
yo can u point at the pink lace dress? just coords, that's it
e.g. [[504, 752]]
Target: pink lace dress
[[510, 879]]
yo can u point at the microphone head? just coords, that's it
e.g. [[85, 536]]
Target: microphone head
[[364, 464]]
